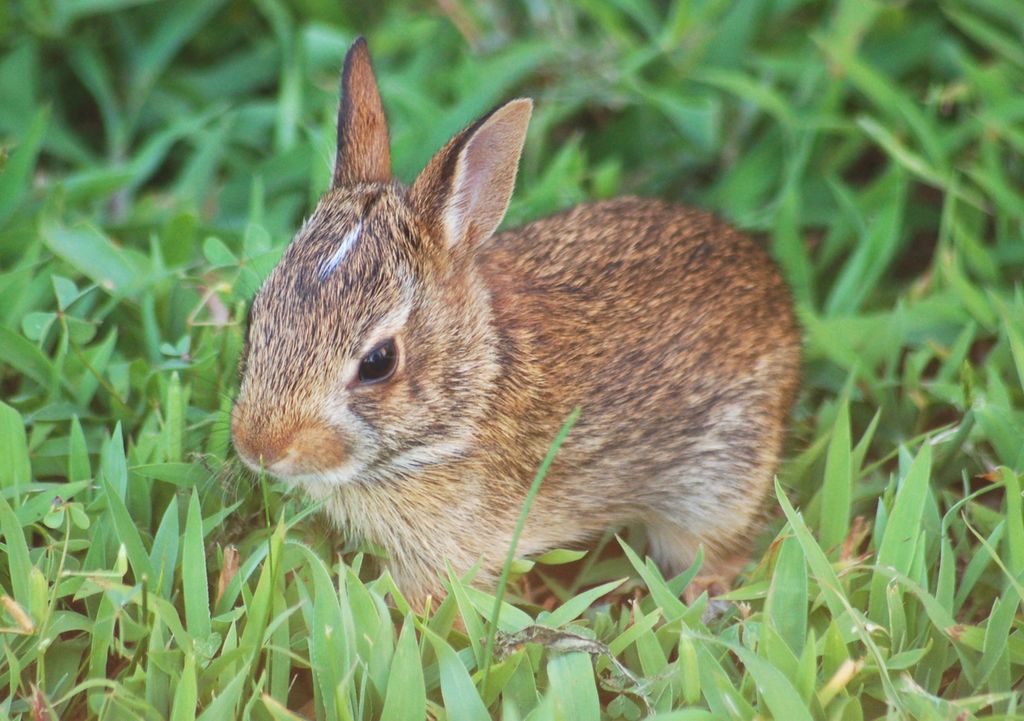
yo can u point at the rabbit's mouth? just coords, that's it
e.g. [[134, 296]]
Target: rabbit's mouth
[[320, 484]]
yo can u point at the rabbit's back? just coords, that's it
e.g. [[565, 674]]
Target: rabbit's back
[[674, 333], [640, 303]]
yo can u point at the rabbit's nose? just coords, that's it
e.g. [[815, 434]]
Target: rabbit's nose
[[269, 455], [259, 447], [289, 450]]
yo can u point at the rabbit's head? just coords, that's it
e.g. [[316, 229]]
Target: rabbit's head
[[369, 350]]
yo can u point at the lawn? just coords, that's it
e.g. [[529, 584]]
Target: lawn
[[155, 159]]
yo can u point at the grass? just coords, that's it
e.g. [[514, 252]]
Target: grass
[[157, 156]]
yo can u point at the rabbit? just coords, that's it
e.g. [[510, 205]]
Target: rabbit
[[409, 367]]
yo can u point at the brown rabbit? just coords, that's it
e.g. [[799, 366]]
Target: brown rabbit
[[412, 370]]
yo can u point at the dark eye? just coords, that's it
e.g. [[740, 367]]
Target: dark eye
[[380, 363]]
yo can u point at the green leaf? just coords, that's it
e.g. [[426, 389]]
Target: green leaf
[[259, 604], [66, 291], [24, 357], [906, 659], [186, 692], [512, 619], [16, 173], [1013, 324], [163, 556], [910, 160], [471, 618], [837, 488], [786, 604], [16, 468], [461, 699], [113, 466], [127, 534], [225, 703], [1014, 524], [101, 636], [183, 475], [406, 694], [279, 712], [986, 34], [997, 631], [876, 250], [902, 530], [217, 253], [901, 107], [36, 325], [789, 247], [80, 331], [154, 52], [79, 467], [330, 651], [572, 683], [194, 582], [18, 564], [559, 556], [575, 606], [672, 607], [174, 419], [98, 358], [779, 695], [831, 588], [90, 251]]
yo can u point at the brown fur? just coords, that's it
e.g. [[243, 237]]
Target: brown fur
[[364, 151], [673, 331]]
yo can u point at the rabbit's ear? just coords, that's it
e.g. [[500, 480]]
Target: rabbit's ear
[[364, 155], [464, 191]]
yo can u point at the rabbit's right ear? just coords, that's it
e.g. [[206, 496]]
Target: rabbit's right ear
[[364, 153], [464, 191]]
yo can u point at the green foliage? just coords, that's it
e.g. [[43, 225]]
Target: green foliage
[[155, 157]]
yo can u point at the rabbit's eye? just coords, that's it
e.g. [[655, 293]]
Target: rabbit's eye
[[380, 363]]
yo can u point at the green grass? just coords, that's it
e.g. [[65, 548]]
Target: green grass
[[155, 157]]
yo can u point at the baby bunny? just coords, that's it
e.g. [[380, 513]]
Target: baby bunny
[[411, 367]]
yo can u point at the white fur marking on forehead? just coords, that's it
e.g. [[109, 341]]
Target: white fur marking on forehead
[[346, 245]]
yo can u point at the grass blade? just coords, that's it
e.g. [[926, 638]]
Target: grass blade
[[194, 580], [786, 605], [530, 495], [461, 700], [16, 470], [572, 684], [406, 696], [903, 529], [837, 488]]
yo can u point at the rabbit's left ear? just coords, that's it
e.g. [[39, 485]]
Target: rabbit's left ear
[[364, 154], [465, 189]]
